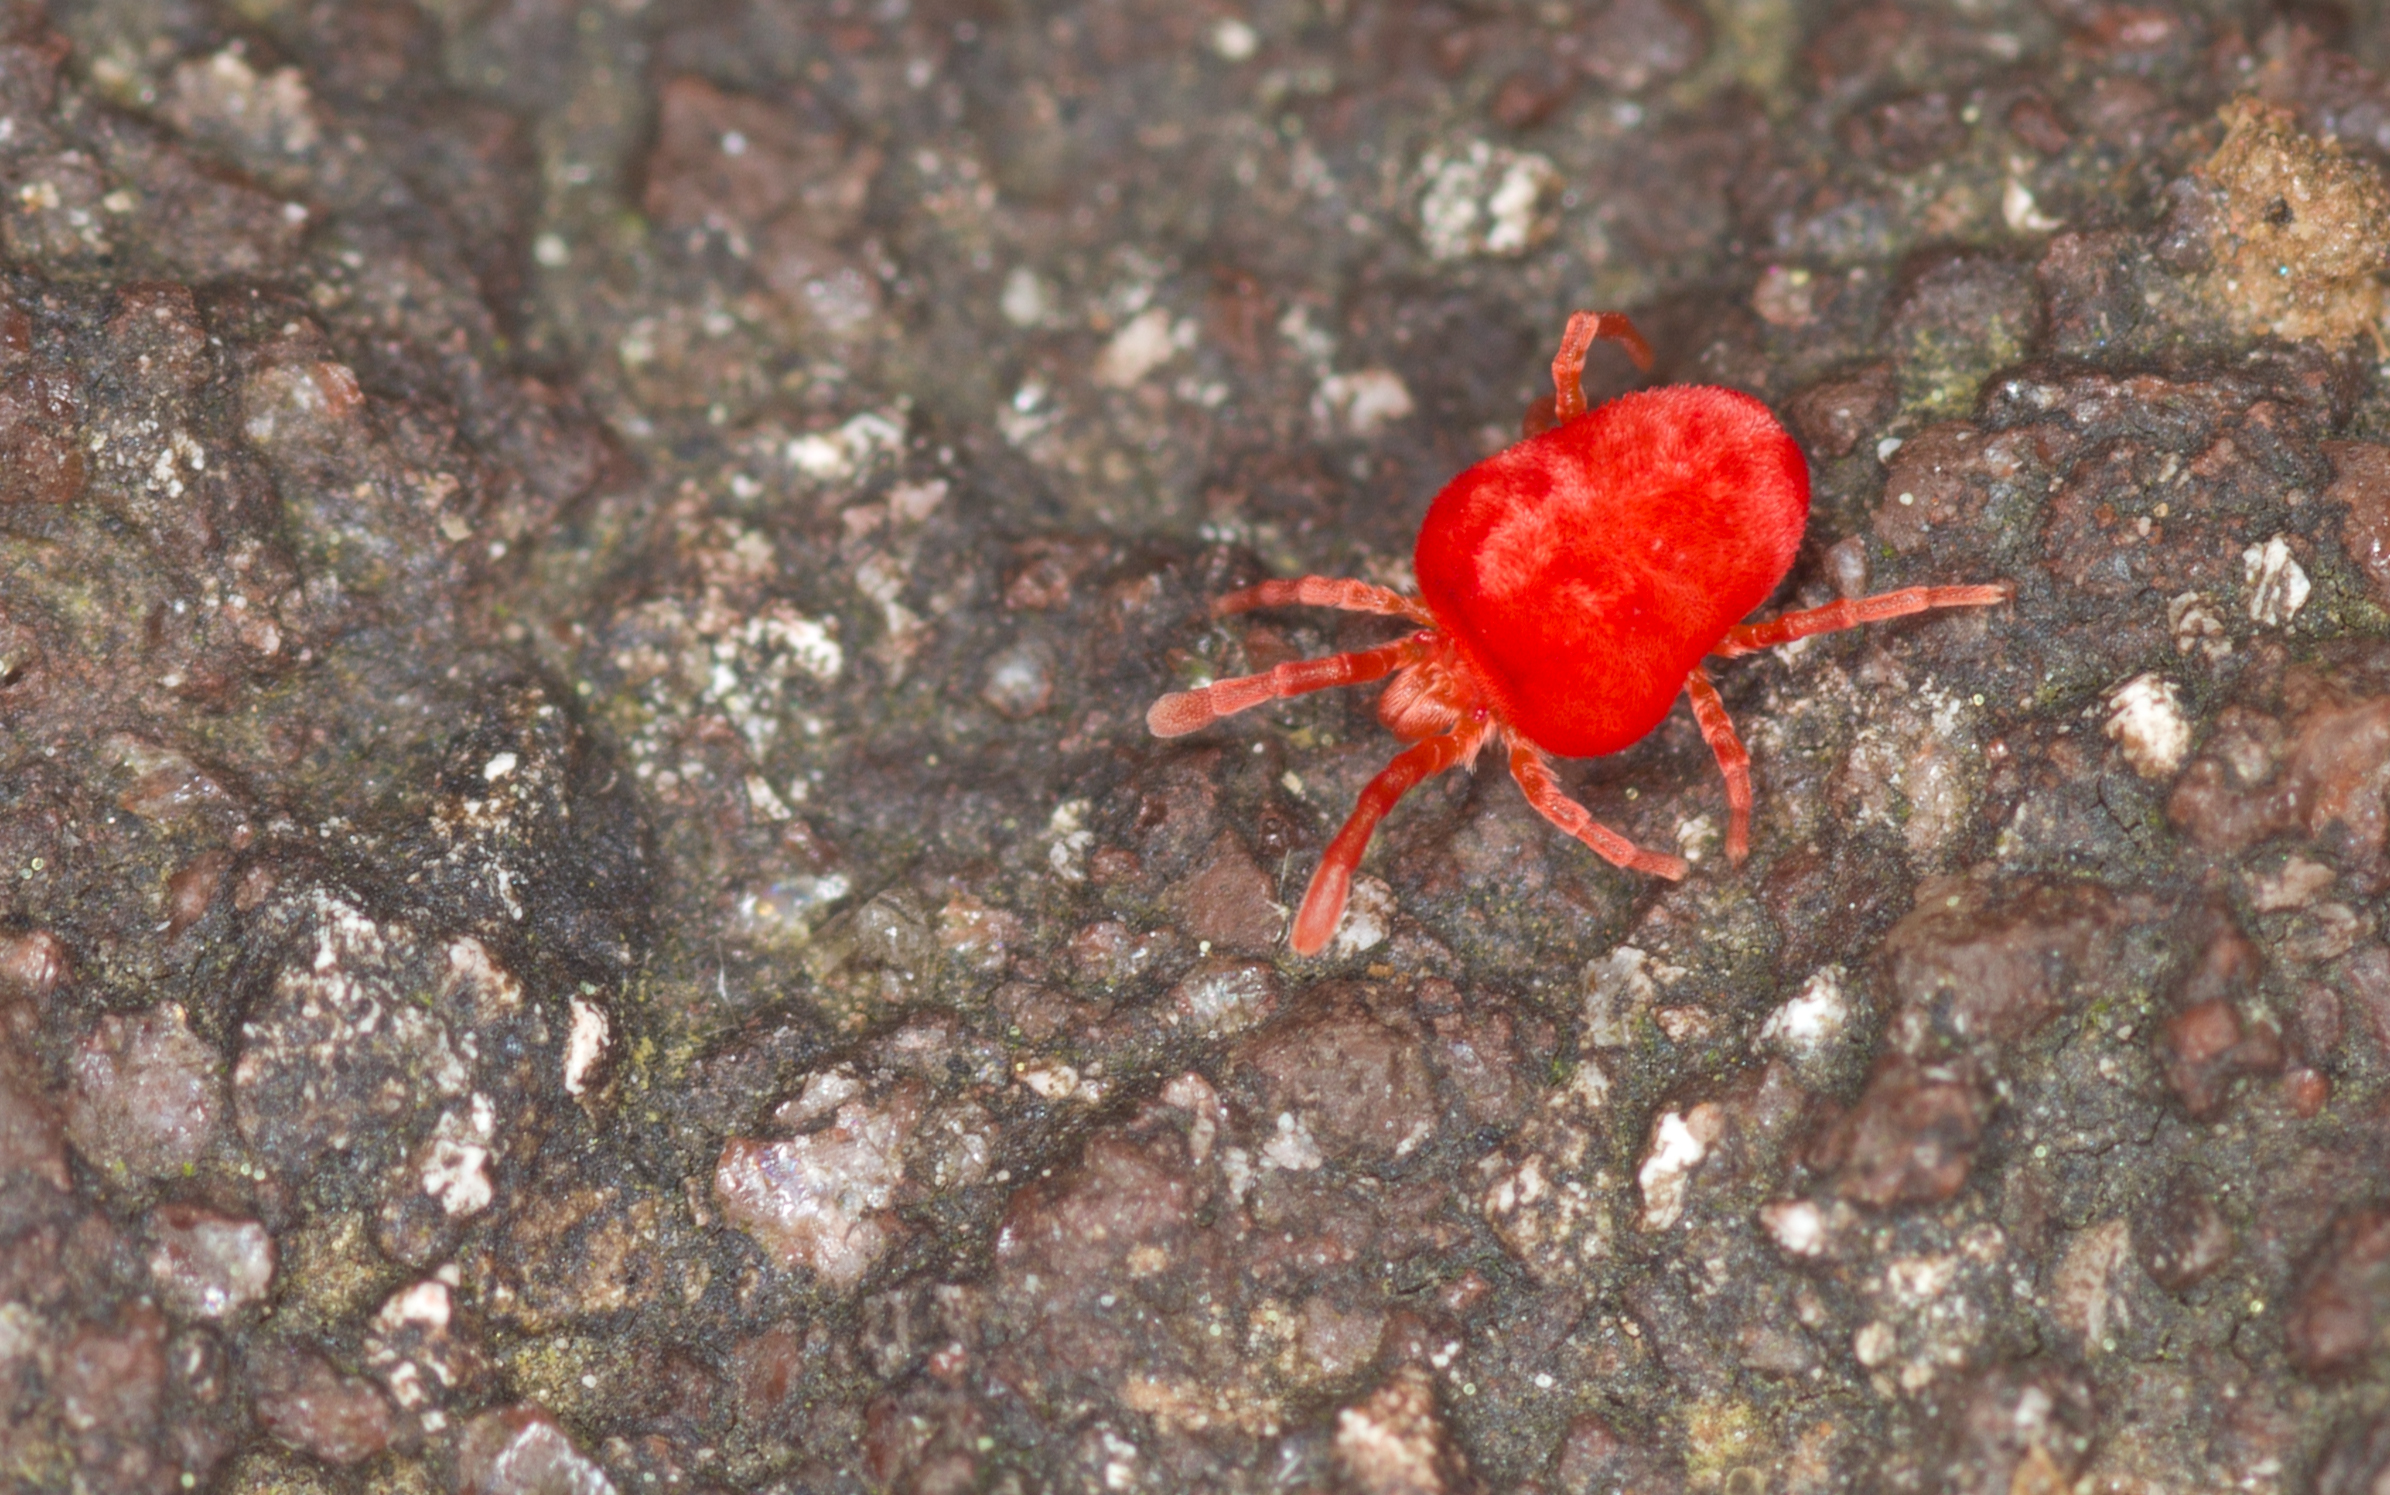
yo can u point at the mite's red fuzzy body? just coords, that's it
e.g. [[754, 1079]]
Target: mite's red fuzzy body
[[1583, 573], [1569, 588]]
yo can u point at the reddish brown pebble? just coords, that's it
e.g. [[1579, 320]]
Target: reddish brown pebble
[[209, 1265], [144, 1093], [1911, 1138], [191, 890], [521, 1450], [2306, 1091], [32, 964], [2184, 1239], [2337, 1313], [304, 1401], [2361, 486]]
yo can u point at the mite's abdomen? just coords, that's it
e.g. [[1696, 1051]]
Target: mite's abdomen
[[1584, 572]]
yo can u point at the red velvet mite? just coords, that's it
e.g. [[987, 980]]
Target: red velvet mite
[[1569, 588]]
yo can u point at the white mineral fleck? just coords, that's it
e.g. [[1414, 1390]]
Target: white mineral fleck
[[586, 1045], [1135, 351], [1679, 1141], [1361, 403], [2145, 717], [1367, 916], [840, 453], [2278, 586], [1484, 200], [1068, 829], [1814, 1020]]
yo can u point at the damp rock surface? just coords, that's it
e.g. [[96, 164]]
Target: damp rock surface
[[589, 906]]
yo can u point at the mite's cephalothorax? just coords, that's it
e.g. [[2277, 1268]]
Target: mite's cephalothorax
[[1569, 588]]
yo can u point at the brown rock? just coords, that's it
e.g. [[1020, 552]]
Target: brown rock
[[1019, 681], [927, 1439], [33, 1166], [1360, 1086], [2014, 1430], [1228, 900], [522, 1450], [209, 1265], [2297, 230], [1070, 1248], [1976, 310], [307, 1403], [1905, 133], [2206, 1045], [1395, 1442], [1633, 44], [1108, 952], [2184, 1238], [822, 1201], [1594, 1459], [1831, 417], [32, 965], [2337, 1313], [1911, 1138], [2087, 283], [41, 408], [2033, 121], [192, 889], [1990, 964], [2361, 486], [2306, 1091], [145, 1093], [1220, 995], [1937, 480], [734, 164], [2358, 1462]]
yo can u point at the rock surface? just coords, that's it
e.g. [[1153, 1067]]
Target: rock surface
[[588, 905]]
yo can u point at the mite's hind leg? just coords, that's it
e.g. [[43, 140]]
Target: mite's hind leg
[[1717, 729], [1527, 765], [1184, 711], [1850, 612], [1585, 328], [1323, 591], [1332, 884]]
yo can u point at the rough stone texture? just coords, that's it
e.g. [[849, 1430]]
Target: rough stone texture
[[588, 904]]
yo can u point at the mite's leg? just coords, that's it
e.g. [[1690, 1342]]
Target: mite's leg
[[1746, 638], [1717, 729], [1527, 765], [1184, 711], [1585, 328], [1323, 591], [1323, 903]]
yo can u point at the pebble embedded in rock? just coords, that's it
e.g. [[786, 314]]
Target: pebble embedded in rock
[[1395, 1442], [1220, 995], [1020, 681], [1992, 964], [1359, 1085], [209, 1265], [32, 964], [2184, 1239], [2343, 1298], [306, 1402], [109, 1381], [820, 1202], [1911, 1138], [2361, 486], [145, 1095], [1228, 901], [523, 1450]]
